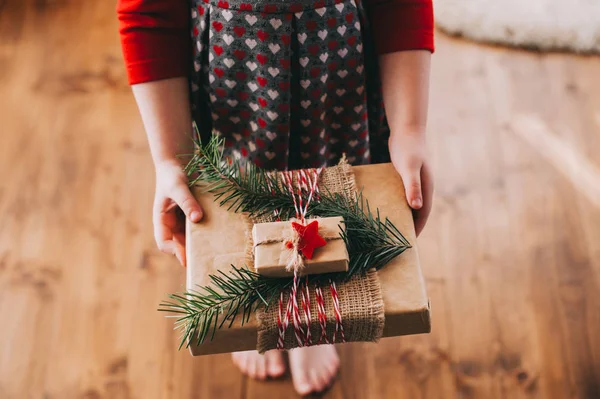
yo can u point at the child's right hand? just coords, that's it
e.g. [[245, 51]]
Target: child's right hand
[[173, 202]]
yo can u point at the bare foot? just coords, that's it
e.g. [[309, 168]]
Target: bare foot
[[258, 366], [313, 368]]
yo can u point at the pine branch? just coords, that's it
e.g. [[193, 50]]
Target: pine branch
[[200, 313]]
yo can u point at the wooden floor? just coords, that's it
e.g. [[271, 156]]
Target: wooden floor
[[511, 254]]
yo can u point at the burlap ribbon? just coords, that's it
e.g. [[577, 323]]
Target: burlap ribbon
[[360, 298]]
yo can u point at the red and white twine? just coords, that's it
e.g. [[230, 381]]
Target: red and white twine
[[306, 186]]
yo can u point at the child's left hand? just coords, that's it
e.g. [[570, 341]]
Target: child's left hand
[[409, 156]]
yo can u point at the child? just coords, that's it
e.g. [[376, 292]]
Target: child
[[288, 84]]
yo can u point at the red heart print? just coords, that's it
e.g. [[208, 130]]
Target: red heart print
[[313, 49], [261, 81], [311, 25], [332, 22], [316, 93], [316, 113], [333, 66], [288, 17], [201, 10], [219, 91], [350, 17], [262, 35], [259, 162], [270, 8], [262, 102], [217, 25], [361, 151], [219, 72], [285, 63], [228, 143], [365, 116], [218, 50], [239, 30], [261, 122], [261, 58], [260, 143], [352, 62], [364, 134], [223, 4], [246, 132], [332, 44], [331, 85], [196, 32], [241, 75], [282, 128], [284, 85], [319, 4], [242, 95], [296, 7], [314, 72], [286, 39], [284, 107], [240, 54], [244, 151], [246, 7], [352, 40], [244, 114]]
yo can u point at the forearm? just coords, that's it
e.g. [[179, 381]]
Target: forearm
[[165, 110], [405, 81]]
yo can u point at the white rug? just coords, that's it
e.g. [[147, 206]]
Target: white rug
[[538, 24]]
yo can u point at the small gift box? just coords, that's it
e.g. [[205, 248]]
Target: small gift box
[[317, 245]]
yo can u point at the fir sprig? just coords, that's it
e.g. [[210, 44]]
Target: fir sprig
[[371, 242]]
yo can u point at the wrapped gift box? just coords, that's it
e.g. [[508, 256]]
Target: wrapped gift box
[[219, 241], [271, 257]]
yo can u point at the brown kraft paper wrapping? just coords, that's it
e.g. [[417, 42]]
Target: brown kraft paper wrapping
[[271, 256], [220, 239]]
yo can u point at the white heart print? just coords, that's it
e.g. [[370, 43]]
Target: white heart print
[[253, 106], [251, 43], [275, 23], [273, 94], [227, 15], [251, 65], [251, 19], [230, 83], [274, 47], [228, 62], [273, 71], [228, 39], [272, 115]]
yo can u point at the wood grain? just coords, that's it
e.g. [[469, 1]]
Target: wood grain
[[511, 254]]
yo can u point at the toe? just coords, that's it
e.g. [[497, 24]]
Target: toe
[[275, 364], [302, 383], [320, 379], [261, 372], [251, 368]]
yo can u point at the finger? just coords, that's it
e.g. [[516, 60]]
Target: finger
[[412, 186], [422, 215], [182, 195], [166, 243]]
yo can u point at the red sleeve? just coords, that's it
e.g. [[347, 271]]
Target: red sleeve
[[400, 25], [155, 38]]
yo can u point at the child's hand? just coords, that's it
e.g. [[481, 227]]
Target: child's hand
[[173, 202], [409, 156]]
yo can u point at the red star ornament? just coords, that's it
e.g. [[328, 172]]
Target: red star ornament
[[309, 238]]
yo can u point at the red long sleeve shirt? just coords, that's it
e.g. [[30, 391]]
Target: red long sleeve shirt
[[155, 34]]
